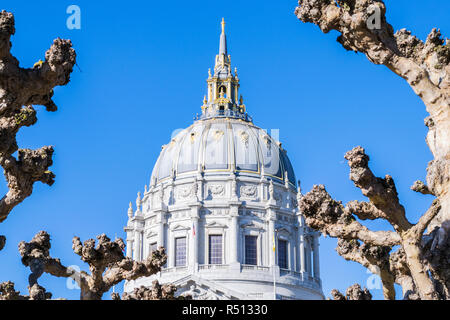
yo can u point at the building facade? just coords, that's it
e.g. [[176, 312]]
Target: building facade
[[223, 200]]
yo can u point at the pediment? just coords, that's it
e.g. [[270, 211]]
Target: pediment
[[203, 289], [179, 227], [251, 225], [215, 224], [284, 231], [151, 234]]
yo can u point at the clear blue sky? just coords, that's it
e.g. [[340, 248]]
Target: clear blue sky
[[143, 71]]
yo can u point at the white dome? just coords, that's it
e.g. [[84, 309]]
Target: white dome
[[221, 145], [223, 202]]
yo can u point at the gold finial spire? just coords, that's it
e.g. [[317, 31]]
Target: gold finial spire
[[223, 25]]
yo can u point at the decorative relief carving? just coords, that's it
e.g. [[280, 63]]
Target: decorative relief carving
[[244, 137], [249, 191], [218, 134], [218, 212], [198, 293], [216, 190], [186, 191], [233, 188], [266, 139], [214, 212]]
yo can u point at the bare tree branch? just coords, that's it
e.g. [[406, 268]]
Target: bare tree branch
[[425, 66], [420, 187], [374, 258], [107, 264], [36, 292], [20, 89], [353, 292], [330, 217]]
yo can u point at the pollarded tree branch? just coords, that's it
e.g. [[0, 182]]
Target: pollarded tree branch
[[418, 230], [32, 166], [330, 217], [36, 255], [8, 292], [2, 242], [363, 28], [36, 292], [374, 258], [381, 192], [400, 270], [20, 88], [364, 210], [107, 264], [420, 187], [425, 65], [353, 292]]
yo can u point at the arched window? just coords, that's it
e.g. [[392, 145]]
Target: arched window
[[222, 91]]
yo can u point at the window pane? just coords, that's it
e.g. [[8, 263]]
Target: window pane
[[282, 254], [153, 247], [180, 251], [215, 249], [250, 250]]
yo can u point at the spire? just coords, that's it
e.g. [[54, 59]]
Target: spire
[[222, 68], [223, 40], [222, 99]]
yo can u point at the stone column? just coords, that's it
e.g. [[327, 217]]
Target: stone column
[[194, 239], [137, 246], [271, 233], [316, 256], [161, 231], [292, 249], [193, 245], [129, 229], [129, 247], [302, 253], [234, 234], [308, 255]]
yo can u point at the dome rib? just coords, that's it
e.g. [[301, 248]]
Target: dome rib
[[223, 145]]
